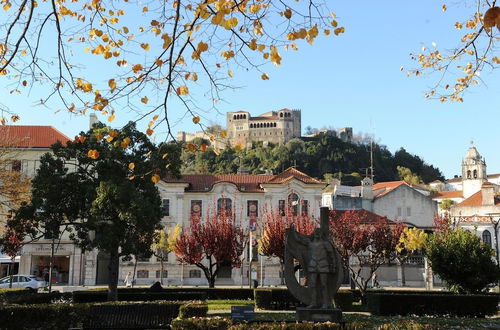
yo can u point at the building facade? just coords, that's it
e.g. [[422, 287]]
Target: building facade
[[276, 127]]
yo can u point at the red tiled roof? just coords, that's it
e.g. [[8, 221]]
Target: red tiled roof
[[293, 173], [241, 111], [23, 136], [447, 194], [454, 180], [477, 200], [244, 182], [366, 216], [388, 184]]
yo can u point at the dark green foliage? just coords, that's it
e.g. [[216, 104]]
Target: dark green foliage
[[460, 258], [282, 299], [101, 296], [65, 316], [24, 297], [215, 323], [431, 304], [315, 156], [195, 309]]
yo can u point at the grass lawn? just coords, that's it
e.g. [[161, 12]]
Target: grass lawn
[[226, 304]]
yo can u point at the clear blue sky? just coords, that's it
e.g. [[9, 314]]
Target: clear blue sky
[[354, 80]]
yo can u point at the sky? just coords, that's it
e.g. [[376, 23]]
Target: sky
[[352, 80]]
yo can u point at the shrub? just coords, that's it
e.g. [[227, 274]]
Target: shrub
[[431, 304], [195, 309], [9, 296], [263, 298], [343, 300], [287, 326], [460, 258], [102, 296], [215, 323]]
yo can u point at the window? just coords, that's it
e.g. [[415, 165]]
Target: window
[[475, 174], [196, 208], [281, 207], [224, 205], [305, 207], [487, 237], [408, 211], [293, 203], [195, 273], [399, 211], [468, 174], [225, 270], [142, 273], [142, 259], [252, 208], [158, 274], [165, 205], [16, 165]]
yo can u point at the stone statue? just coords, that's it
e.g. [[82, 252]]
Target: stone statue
[[321, 263]]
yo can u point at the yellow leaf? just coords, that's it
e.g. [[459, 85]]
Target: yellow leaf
[[14, 118], [264, 76], [136, 68], [159, 62], [203, 147], [149, 131], [339, 30], [125, 142], [144, 99], [496, 59], [112, 84], [7, 6], [191, 147], [111, 118], [23, 53], [223, 134], [164, 156], [109, 138], [131, 166], [155, 178], [145, 46], [288, 13], [182, 90], [196, 119], [444, 8], [230, 73], [24, 83], [145, 9]]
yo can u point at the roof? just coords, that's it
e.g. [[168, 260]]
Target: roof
[[265, 118], [366, 216], [24, 136], [476, 218], [477, 200], [386, 187], [457, 179], [448, 194], [244, 182], [293, 173]]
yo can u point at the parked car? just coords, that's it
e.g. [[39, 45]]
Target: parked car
[[29, 282]]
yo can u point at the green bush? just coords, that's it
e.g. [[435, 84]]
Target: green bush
[[263, 298], [195, 309], [102, 296], [462, 260], [43, 316], [431, 304], [214, 323], [287, 326], [11, 296], [283, 299]]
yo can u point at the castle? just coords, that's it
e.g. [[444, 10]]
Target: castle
[[276, 127]]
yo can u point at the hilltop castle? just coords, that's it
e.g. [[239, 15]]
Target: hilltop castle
[[276, 127]]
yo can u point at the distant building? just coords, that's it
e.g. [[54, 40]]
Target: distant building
[[276, 127]]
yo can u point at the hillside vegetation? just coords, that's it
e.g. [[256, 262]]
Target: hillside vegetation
[[321, 157]]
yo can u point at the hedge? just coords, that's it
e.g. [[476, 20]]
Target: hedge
[[211, 293], [282, 299], [195, 309], [21, 296], [61, 316], [214, 323], [218, 323], [102, 296], [480, 305]]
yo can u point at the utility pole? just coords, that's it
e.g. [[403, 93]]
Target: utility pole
[[371, 158]]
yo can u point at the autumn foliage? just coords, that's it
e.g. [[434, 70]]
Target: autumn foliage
[[210, 242], [367, 238]]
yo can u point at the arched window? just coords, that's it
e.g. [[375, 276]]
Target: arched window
[[293, 203], [274, 124], [224, 206], [487, 237], [281, 114], [468, 174], [234, 116], [475, 174]]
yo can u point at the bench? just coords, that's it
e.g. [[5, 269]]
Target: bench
[[131, 316]]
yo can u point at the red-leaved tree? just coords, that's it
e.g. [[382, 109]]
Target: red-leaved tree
[[273, 226], [368, 238], [11, 244], [209, 242]]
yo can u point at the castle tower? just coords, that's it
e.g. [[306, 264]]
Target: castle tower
[[473, 172]]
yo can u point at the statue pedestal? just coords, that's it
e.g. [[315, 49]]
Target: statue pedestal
[[319, 315]]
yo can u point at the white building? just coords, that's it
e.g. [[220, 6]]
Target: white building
[[192, 195]]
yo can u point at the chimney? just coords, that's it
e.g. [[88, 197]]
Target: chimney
[[93, 120], [488, 193]]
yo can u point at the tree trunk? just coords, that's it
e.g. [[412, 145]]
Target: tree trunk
[[403, 277], [161, 271], [114, 260], [51, 264], [135, 269], [11, 270], [282, 273]]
